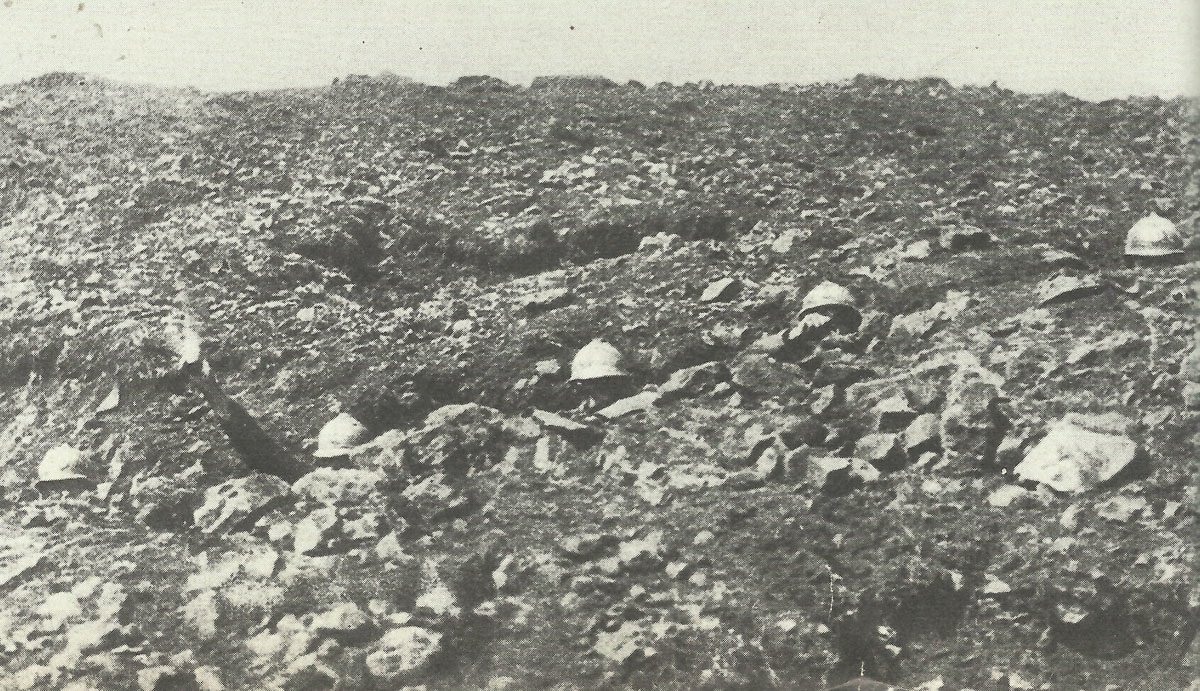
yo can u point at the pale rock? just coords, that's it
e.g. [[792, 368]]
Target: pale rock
[[626, 406], [403, 652], [315, 531], [344, 618], [641, 552], [1064, 288], [1079, 453], [882, 450], [720, 290], [622, 645], [836, 475], [330, 486], [921, 435], [1122, 507], [557, 422], [1003, 496], [548, 299]]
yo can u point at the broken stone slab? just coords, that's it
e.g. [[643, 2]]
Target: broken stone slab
[[1064, 288], [641, 553], [921, 249], [232, 505], [626, 406], [721, 290], [917, 324], [1079, 453], [693, 381], [587, 545], [342, 621]]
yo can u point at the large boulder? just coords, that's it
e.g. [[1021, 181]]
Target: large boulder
[[1080, 452]]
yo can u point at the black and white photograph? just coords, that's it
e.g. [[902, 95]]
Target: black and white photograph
[[556, 345]]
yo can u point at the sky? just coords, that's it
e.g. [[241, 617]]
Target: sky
[[1089, 48]]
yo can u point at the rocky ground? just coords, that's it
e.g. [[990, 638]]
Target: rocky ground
[[988, 483]]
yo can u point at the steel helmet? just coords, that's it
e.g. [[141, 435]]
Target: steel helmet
[[1153, 236], [339, 436], [597, 360], [58, 465], [827, 294]]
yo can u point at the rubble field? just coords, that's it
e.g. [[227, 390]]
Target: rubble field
[[973, 467]]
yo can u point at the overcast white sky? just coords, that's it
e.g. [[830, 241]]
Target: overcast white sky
[[1090, 48]]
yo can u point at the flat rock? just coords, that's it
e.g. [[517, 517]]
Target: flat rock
[[1063, 288], [315, 532], [237, 502], [344, 618], [1079, 453], [1061, 259], [627, 406], [558, 422], [721, 290]]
